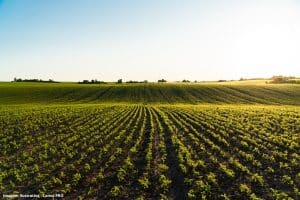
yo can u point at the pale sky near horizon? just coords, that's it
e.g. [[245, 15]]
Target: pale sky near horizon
[[72, 40]]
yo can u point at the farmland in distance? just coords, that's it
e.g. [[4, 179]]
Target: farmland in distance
[[151, 141]]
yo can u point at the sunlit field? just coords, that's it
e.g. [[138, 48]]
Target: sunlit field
[[150, 141]]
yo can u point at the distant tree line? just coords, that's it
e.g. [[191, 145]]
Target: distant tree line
[[249, 79], [162, 81], [34, 80], [144, 81], [93, 81], [285, 79], [130, 81]]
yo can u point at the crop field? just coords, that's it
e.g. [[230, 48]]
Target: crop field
[[230, 146], [167, 93]]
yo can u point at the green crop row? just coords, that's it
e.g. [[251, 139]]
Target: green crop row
[[151, 151]]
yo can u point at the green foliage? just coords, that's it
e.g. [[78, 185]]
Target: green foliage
[[288, 180], [298, 176], [199, 190], [254, 197], [120, 151], [68, 187], [227, 171], [87, 167], [121, 174], [144, 182], [257, 179], [115, 191], [278, 195], [163, 167], [91, 191], [211, 177], [164, 182], [76, 178], [244, 188]]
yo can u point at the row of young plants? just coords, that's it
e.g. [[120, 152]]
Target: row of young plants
[[146, 152], [268, 166], [56, 154]]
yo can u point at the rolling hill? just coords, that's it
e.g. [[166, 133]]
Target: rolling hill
[[190, 93]]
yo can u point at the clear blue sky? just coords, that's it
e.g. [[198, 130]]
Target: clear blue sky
[[71, 40]]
